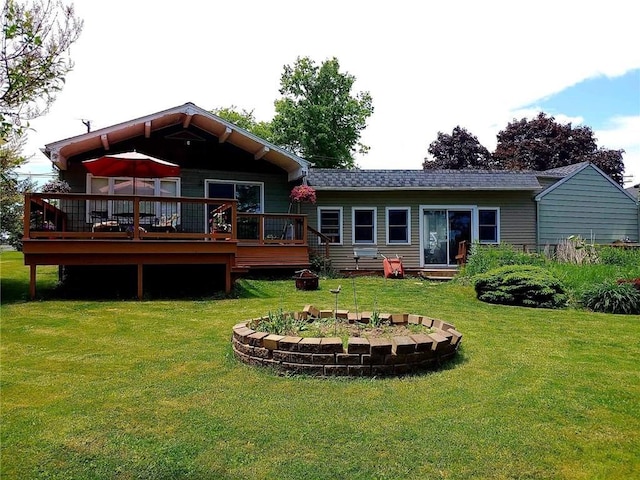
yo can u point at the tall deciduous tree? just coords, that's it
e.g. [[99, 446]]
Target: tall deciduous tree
[[318, 117], [460, 150], [245, 119], [543, 143], [11, 191], [34, 58]]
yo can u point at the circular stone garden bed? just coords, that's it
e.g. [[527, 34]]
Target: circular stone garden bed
[[425, 343]]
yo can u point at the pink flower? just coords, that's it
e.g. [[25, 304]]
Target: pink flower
[[303, 194]]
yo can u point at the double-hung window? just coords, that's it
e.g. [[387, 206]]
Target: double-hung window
[[398, 225], [364, 225], [330, 223], [489, 225]]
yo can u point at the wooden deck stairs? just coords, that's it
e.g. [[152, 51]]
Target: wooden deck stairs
[[438, 274]]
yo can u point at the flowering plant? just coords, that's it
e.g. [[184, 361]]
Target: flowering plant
[[303, 194], [56, 186]]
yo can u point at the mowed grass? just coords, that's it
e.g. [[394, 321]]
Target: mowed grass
[[150, 390]]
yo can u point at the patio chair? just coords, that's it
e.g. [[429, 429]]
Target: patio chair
[[461, 257]]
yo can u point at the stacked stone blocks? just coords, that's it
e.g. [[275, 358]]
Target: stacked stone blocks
[[327, 356]]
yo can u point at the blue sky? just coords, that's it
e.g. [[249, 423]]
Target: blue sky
[[429, 66], [596, 100]]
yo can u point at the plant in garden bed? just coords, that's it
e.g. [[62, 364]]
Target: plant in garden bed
[[483, 258], [621, 298], [281, 323], [523, 285]]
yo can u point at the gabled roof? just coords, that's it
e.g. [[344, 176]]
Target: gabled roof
[[634, 191], [185, 115], [582, 166], [328, 179], [562, 172]]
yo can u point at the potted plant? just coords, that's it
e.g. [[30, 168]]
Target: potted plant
[[302, 194]]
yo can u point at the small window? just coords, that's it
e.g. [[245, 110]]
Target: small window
[[489, 225], [330, 223], [364, 225], [398, 226]]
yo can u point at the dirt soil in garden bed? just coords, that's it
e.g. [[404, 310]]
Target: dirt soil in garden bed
[[344, 329]]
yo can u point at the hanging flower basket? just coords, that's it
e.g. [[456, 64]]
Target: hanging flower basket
[[306, 280], [303, 194]]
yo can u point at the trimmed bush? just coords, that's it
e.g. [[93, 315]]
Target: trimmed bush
[[522, 285], [483, 258], [620, 298]]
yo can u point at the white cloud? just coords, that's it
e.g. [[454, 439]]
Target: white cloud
[[624, 133]]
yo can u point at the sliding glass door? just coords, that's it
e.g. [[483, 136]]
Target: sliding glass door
[[442, 230]]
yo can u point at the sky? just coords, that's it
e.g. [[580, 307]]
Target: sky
[[429, 66]]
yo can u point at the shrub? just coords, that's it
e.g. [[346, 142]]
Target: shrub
[[523, 285], [635, 282], [612, 298], [618, 256], [483, 258]]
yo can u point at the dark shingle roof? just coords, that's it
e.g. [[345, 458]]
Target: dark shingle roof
[[634, 191], [562, 171], [330, 179]]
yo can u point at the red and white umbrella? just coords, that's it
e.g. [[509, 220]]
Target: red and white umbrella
[[131, 164]]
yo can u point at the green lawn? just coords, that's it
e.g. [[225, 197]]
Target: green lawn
[[150, 390]]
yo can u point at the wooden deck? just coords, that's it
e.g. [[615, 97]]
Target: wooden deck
[[61, 229]]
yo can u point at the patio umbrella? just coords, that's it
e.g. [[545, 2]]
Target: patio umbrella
[[131, 164]]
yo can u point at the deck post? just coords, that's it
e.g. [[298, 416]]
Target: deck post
[[32, 281], [227, 273], [140, 269]]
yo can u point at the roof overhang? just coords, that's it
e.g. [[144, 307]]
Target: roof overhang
[[188, 114]]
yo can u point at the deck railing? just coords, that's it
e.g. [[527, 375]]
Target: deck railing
[[89, 216]]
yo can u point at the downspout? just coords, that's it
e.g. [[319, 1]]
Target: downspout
[[537, 225]]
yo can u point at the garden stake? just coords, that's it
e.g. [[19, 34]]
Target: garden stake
[[336, 291], [355, 300]]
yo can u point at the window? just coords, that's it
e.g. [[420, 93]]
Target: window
[[98, 210], [330, 223], [364, 225], [398, 225], [249, 195], [489, 225]]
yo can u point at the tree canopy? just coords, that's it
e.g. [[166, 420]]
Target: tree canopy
[[34, 58], [460, 150], [245, 119], [318, 117], [541, 143]]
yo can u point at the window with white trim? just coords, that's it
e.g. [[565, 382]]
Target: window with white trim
[[330, 223], [156, 187], [398, 225], [364, 225], [489, 225], [248, 194]]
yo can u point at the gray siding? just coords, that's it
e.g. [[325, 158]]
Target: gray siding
[[588, 205], [276, 186], [517, 219]]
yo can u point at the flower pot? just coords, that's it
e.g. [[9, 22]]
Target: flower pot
[[306, 280]]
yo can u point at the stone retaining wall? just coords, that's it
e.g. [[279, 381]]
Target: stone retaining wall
[[326, 356]]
